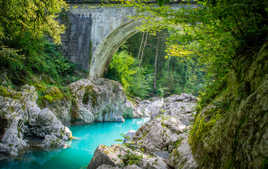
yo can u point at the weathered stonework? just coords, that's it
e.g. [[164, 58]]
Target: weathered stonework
[[94, 33], [89, 27]]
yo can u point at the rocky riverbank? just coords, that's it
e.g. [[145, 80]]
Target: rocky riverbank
[[160, 144], [24, 124]]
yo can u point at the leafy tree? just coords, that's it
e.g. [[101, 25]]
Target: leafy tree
[[216, 32], [27, 53], [163, 76], [125, 69], [33, 18]]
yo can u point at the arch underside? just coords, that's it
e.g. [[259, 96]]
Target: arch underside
[[109, 46]]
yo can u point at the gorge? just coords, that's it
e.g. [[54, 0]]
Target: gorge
[[107, 85]]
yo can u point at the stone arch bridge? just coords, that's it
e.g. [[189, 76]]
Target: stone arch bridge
[[95, 33]]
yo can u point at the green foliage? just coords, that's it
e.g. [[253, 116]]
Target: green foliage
[[50, 93], [119, 140], [11, 59], [162, 2], [32, 19], [141, 84], [4, 91], [209, 92], [120, 65], [174, 74], [43, 60], [131, 159], [177, 143], [181, 75], [26, 55], [128, 113], [202, 126], [215, 31], [124, 68], [90, 94], [45, 69]]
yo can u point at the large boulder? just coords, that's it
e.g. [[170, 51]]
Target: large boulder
[[24, 124], [107, 155], [111, 167], [88, 101], [181, 156], [60, 106], [147, 108], [159, 134], [176, 105], [180, 106], [121, 156], [129, 136], [99, 100]]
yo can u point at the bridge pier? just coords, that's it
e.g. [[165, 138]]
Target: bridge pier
[[87, 27]]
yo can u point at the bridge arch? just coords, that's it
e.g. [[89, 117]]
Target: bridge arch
[[105, 50], [94, 33]]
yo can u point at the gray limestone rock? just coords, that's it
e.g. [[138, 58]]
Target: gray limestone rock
[[120, 156], [129, 136], [25, 125], [148, 108], [101, 100], [160, 143], [180, 106], [24, 122], [111, 167], [176, 105], [107, 155], [159, 133], [181, 156]]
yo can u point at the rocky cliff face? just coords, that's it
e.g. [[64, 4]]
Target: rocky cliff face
[[24, 125], [232, 130], [160, 144]]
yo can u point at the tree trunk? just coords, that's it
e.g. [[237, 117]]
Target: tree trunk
[[144, 45], [142, 39], [169, 66], [156, 60]]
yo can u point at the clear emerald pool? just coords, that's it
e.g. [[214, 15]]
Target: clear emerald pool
[[81, 151]]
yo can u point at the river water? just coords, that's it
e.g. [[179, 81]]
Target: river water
[[81, 151]]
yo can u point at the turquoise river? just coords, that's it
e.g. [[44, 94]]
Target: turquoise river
[[81, 151]]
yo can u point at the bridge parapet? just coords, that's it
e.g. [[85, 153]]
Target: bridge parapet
[[84, 1], [114, 1]]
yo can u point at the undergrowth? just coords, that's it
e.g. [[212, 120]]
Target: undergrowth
[[42, 66]]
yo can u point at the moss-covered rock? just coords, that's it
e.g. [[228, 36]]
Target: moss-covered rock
[[181, 156], [49, 95], [6, 92], [122, 157], [23, 121], [231, 130], [57, 99], [90, 95], [98, 100]]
